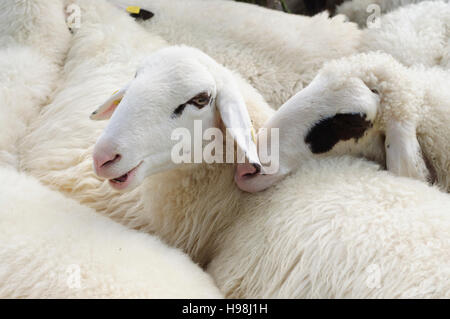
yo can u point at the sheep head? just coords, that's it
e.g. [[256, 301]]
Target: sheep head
[[330, 116], [173, 89], [365, 105]]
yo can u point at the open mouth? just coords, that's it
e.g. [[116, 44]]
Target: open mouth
[[124, 180]]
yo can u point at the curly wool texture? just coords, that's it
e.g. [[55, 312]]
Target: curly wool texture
[[52, 247], [414, 35], [38, 24], [27, 81], [277, 53], [322, 232], [31, 55], [357, 10], [338, 228], [416, 97]]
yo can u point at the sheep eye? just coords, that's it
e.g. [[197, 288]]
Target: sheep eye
[[200, 100], [375, 91]]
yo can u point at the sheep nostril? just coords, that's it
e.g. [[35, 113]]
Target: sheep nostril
[[115, 159], [248, 170]]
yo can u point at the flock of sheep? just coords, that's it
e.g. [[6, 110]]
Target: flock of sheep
[[360, 205]]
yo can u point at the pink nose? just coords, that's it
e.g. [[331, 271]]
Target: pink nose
[[104, 159], [244, 175]]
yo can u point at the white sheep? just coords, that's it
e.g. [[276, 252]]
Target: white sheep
[[288, 242], [365, 11], [62, 132], [371, 105], [251, 244], [32, 49], [277, 53], [52, 247], [414, 35]]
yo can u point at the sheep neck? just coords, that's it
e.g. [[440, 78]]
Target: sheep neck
[[191, 206]]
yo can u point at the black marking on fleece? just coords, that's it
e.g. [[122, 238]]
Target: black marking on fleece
[[326, 133], [143, 14]]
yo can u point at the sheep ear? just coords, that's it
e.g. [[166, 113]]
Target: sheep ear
[[403, 152], [327, 132], [234, 114], [106, 110]]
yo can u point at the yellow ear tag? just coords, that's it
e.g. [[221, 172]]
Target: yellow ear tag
[[134, 9], [116, 102], [253, 135]]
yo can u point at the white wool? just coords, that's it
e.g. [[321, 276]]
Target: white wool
[[322, 232], [362, 11], [31, 54], [39, 24], [26, 83], [337, 228], [277, 53], [414, 35], [53, 247]]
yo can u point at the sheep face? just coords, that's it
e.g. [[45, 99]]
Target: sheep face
[[329, 116], [174, 89]]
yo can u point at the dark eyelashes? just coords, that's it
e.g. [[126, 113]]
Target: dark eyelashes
[[179, 110]]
